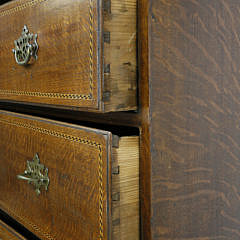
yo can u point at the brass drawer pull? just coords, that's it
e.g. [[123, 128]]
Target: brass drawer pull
[[36, 174], [25, 47]]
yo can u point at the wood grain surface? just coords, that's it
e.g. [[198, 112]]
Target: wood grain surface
[[76, 205], [195, 106], [69, 72], [125, 213], [144, 120], [192, 180], [64, 73], [120, 53], [7, 233], [82, 198], [140, 119]]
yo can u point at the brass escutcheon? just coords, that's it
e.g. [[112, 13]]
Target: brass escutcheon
[[25, 47], [36, 174]]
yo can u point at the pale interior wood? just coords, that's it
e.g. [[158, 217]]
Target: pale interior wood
[[121, 83], [125, 214]]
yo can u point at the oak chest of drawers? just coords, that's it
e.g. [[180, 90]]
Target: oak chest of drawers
[[187, 117], [60, 180]]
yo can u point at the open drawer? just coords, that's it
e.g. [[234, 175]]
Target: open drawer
[[77, 54], [64, 181]]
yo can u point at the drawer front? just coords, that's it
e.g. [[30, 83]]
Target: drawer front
[[68, 71], [70, 200], [7, 233]]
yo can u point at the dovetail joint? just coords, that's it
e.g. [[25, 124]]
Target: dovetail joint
[[116, 222], [107, 37], [106, 96], [107, 68], [116, 170], [115, 141], [116, 197], [107, 6]]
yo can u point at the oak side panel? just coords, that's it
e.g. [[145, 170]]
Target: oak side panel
[[195, 109]]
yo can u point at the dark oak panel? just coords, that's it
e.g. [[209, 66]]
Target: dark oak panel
[[195, 105]]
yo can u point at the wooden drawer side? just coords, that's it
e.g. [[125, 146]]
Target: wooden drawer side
[[125, 189], [120, 76]]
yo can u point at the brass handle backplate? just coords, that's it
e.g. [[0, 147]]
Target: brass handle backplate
[[36, 174], [25, 47]]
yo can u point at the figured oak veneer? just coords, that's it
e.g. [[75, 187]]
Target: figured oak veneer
[[194, 52], [86, 57], [7, 233], [85, 199]]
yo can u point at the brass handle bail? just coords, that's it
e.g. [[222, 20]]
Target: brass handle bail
[[25, 47], [36, 174]]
